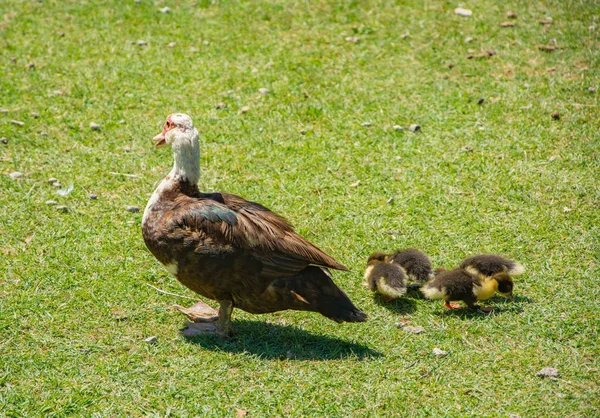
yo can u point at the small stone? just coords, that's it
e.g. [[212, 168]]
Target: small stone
[[390, 200], [60, 34], [592, 89], [35, 115], [302, 131], [353, 39], [468, 39], [507, 24], [4, 140], [93, 196], [546, 21], [467, 148], [398, 128], [51, 202], [17, 122], [194, 49], [245, 109], [463, 12], [555, 115], [221, 105], [15, 175], [3, 110], [43, 133], [62, 208], [548, 372], [439, 352], [366, 124], [480, 101], [414, 128], [56, 184], [30, 66], [58, 93], [414, 330], [132, 209], [263, 91], [151, 340], [165, 10], [52, 180], [137, 1], [122, 122], [13, 60], [94, 126], [141, 42], [171, 44], [511, 15], [205, 43], [567, 210]]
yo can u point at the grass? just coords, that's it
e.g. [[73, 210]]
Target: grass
[[75, 303]]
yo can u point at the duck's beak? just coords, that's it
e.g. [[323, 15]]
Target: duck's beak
[[159, 140]]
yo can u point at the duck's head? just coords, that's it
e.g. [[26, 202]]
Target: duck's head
[[178, 132], [505, 285], [376, 258]]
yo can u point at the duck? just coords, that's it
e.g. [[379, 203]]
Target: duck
[[231, 250], [486, 265], [388, 279], [415, 263], [462, 285]]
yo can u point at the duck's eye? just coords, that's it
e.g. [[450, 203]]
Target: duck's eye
[[168, 124]]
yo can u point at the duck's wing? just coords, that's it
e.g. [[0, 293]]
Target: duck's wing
[[228, 221]]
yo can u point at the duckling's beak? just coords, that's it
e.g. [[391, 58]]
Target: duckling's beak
[[510, 296]]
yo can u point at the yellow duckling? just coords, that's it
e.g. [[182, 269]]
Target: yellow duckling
[[388, 279], [461, 285]]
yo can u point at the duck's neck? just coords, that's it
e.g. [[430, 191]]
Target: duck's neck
[[186, 166]]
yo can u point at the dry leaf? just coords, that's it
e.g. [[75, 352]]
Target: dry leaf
[[29, 238], [547, 48], [485, 54], [240, 413], [507, 24], [355, 184]]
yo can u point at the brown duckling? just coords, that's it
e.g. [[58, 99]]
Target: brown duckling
[[388, 279], [415, 263], [461, 285], [486, 265]]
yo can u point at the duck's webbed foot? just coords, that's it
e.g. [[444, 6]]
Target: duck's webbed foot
[[451, 305], [200, 312], [486, 309], [219, 325]]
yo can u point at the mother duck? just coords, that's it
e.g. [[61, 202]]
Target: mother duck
[[228, 249]]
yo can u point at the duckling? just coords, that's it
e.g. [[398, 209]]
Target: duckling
[[486, 265], [415, 263], [388, 279], [460, 284]]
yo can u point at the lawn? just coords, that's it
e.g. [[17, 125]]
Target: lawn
[[78, 291]]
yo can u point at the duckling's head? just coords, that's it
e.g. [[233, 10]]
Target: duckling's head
[[376, 258], [505, 284]]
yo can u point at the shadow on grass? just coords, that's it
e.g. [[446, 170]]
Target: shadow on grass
[[272, 341], [400, 306]]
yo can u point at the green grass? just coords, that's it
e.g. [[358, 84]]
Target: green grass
[[75, 305]]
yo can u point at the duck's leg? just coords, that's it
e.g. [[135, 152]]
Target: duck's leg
[[449, 305], [224, 328]]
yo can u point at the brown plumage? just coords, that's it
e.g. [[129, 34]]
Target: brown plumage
[[386, 278], [461, 285], [487, 265], [415, 263], [234, 251]]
